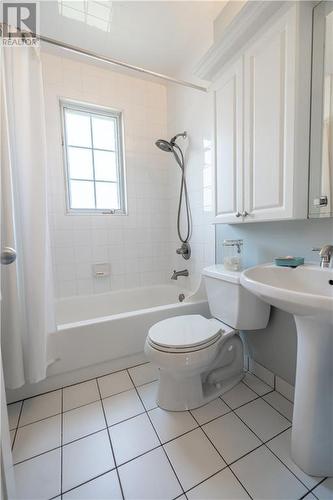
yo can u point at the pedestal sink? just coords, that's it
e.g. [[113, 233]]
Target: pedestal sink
[[307, 293]]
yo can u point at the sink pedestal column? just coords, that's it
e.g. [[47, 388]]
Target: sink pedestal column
[[312, 431]]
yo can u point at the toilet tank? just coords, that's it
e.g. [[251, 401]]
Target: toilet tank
[[231, 303]]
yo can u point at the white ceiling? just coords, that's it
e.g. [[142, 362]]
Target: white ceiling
[[167, 37]]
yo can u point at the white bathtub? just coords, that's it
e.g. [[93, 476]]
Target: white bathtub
[[97, 329]]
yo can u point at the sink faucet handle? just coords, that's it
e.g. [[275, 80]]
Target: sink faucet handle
[[326, 250], [325, 254]]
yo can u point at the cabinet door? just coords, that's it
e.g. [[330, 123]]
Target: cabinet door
[[269, 101], [229, 147]]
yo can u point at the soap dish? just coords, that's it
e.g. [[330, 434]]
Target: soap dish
[[289, 261]]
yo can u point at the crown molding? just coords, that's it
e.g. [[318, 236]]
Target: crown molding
[[241, 29]]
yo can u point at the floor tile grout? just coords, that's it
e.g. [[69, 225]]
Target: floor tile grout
[[82, 406], [264, 444], [161, 445], [120, 421], [89, 480], [293, 473], [112, 450], [17, 425], [314, 487], [147, 411], [78, 383], [115, 394], [248, 385], [220, 454], [167, 456], [276, 409], [35, 456], [232, 472]]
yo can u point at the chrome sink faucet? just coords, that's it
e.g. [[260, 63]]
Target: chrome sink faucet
[[325, 254], [176, 274]]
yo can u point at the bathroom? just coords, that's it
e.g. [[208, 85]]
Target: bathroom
[[170, 141]]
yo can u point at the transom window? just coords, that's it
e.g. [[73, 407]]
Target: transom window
[[93, 157]]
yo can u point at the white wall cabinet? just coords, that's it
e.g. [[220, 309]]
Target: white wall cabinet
[[229, 139], [261, 139]]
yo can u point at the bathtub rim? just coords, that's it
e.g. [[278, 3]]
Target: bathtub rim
[[128, 314]]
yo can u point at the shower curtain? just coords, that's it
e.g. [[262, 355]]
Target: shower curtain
[[27, 314]]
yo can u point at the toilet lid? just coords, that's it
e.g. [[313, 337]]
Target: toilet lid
[[185, 331]]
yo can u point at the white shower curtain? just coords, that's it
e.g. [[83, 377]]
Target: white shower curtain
[[27, 287]]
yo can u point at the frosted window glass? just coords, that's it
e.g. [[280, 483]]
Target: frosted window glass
[[80, 163], [82, 194], [106, 195], [78, 129], [104, 133], [105, 166]]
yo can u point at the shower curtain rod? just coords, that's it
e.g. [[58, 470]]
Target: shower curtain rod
[[109, 60]]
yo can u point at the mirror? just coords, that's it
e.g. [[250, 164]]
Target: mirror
[[321, 146]]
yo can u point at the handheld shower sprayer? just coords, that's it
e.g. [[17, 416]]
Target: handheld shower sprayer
[[172, 147]]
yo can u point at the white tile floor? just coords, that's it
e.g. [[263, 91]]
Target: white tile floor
[[107, 439]]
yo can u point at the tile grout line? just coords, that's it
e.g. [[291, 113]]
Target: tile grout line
[[277, 409], [78, 407], [115, 394], [78, 383], [134, 417], [112, 450], [293, 473], [274, 383], [162, 444], [314, 487], [17, 425], [264, 443], [35, 456], [158, 437], [271, 389], [147, 411], [114, 425], [88, 481], [220, 454]]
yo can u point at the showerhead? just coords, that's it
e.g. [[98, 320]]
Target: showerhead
[[164, 145], [168, 146]]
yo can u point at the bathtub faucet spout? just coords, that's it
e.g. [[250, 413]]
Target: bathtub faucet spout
[[179, 273]]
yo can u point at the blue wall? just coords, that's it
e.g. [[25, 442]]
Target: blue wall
[[275, 347]]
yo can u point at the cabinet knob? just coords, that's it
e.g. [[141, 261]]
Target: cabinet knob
[[245, 213], [237, 214]]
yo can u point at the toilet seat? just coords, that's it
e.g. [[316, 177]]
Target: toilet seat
[[187, 333]]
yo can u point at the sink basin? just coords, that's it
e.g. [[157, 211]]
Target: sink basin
[[307, 293], [304, 290]]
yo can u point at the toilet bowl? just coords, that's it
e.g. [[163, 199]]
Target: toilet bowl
[[199, 358], [186, 349]]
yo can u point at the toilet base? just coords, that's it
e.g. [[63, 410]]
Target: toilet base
[[188, 393]]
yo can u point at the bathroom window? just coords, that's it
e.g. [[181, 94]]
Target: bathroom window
[[93, 155]]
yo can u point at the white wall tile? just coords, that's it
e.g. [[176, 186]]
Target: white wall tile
[[150, 111]]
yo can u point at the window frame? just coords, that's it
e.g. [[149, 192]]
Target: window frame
[[92, 109]]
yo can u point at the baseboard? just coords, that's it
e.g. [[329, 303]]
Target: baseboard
[[271, 379]]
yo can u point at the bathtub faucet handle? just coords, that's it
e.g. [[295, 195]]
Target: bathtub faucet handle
[[184, 250]]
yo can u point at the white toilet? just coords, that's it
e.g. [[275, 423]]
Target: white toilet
[[199, 358]]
